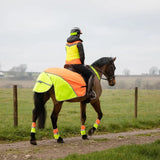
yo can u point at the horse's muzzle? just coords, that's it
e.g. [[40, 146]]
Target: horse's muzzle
[[112, 82]]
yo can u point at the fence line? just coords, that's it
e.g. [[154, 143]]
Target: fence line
[[15, 104]]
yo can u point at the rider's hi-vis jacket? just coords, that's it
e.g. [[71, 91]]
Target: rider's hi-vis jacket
[[72, 53]]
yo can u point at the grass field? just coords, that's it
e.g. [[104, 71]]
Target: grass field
[[117, 107], [132, 152]]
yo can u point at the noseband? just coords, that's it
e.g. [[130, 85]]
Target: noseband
[[108, 78]]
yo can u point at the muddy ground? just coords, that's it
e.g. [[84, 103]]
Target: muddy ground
[[49, 149]]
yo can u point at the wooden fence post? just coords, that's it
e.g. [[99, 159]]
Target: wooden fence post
[[15, 105], [136, 100]]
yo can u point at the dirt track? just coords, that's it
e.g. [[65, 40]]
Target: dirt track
[[49, 149]]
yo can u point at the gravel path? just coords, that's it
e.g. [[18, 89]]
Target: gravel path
[[49, 149]]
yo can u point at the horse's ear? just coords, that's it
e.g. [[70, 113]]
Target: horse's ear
[[114, 59]]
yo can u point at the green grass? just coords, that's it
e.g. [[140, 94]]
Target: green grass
[[117, 107], [131, 152]]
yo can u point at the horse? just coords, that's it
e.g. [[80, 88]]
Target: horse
[[103, 66]]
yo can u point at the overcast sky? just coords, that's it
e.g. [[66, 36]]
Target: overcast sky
[[34, 32]]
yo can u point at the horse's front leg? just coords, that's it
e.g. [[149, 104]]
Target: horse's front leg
[[54, 118], [83, 119], [97, 107]]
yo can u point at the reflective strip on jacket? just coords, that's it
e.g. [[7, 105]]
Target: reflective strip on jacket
[[72, 53]]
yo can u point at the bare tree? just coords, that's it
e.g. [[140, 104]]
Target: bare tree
[[18, 71], [20, 68], [153, 71], [126, 72]]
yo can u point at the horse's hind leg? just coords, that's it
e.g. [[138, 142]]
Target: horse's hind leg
[[54, 118], [38, 111], [96, 106]]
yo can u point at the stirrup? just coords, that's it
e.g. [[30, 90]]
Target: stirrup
[[92, 95]]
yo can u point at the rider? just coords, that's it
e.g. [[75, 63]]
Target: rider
[[75, 59]]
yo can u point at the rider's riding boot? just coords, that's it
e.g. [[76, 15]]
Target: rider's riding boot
[[90, 92]]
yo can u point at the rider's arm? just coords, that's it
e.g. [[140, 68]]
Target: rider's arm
[[81, 52]]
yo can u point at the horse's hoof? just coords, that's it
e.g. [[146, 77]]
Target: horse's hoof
[[85, 137], [33, 142], [91, 131], [60, 140]]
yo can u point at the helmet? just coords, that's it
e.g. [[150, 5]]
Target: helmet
[[75, 31]]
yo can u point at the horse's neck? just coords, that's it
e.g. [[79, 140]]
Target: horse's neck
[[97, 87], [99, 71]]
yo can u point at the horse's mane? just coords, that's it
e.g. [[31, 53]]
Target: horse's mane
[[102, 61]]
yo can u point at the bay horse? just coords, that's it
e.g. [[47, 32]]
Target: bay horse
[[103, 66]]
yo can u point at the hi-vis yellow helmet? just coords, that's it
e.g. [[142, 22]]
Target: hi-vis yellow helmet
[[75, 31]]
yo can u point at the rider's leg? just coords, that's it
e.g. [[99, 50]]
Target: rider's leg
[[91, 93], [88, 77]]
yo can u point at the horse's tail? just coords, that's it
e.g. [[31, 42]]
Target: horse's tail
[[40, 108]]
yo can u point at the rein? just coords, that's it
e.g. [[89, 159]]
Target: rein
[[105, 79], [108, 78]]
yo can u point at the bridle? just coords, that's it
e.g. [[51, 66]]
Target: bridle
[[108, 78]]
